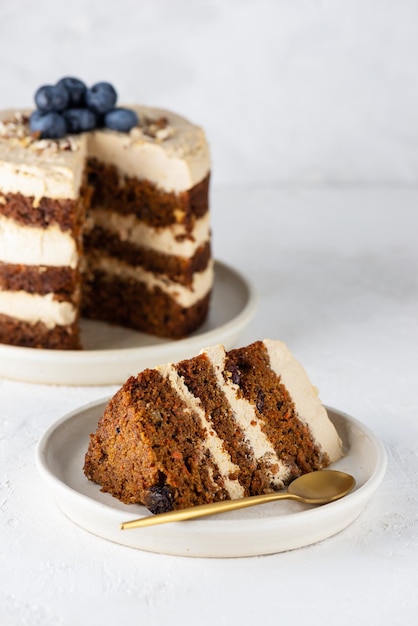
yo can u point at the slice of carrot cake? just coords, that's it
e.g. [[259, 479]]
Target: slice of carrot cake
[[221, 425]]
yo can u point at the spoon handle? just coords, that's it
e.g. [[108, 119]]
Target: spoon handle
[[202, 510]]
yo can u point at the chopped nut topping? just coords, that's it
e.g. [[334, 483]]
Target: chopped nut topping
[[18, 132], [155, 129], [179, 215]]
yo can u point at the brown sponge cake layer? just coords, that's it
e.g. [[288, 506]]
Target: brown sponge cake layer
[[67, 214], [144, 199], [130, 303], [139, 455], [176, 268], [19, 333], [62, 281]]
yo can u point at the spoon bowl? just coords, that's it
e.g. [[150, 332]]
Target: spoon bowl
[[319, 487]]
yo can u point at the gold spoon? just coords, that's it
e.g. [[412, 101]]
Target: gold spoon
[[318, 487]]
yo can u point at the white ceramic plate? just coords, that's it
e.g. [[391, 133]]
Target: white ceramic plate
[[259, 530], [112, 353]]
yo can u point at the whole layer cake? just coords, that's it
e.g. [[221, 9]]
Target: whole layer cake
[[222, 425], [105, 224]]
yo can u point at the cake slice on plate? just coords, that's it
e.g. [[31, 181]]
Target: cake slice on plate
[[221, 425]]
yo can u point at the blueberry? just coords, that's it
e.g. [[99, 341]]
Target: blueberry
[[121, 119], [50, 125], [52, 98], [76, 90], [79, 120], [101, 97]]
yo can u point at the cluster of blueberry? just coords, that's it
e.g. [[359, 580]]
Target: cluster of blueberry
[[71, 107]]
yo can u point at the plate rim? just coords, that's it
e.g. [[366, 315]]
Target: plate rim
[[355, 501]]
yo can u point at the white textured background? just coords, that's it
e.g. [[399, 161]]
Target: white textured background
[[288, 91]]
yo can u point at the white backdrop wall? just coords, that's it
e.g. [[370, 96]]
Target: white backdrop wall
[[288, 91]]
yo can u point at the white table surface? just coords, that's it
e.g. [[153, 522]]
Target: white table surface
[[336, 274]]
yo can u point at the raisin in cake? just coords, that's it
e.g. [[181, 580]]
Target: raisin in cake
[[106, 224], [221, 425]]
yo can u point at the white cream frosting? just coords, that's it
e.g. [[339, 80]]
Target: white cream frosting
[[175, 158], [212, 442], [42, 168], [171, 239], [184, 296], [36, 246], [33, 308], [305, 397], [246, 417]]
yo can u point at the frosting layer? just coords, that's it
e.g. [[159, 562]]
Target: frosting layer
[[168, 240], [186, 297], [28, 245], [33, 308], [165, 149], [43, 168]]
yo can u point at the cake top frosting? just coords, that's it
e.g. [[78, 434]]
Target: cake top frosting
[[38, 167], [161, 146]]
